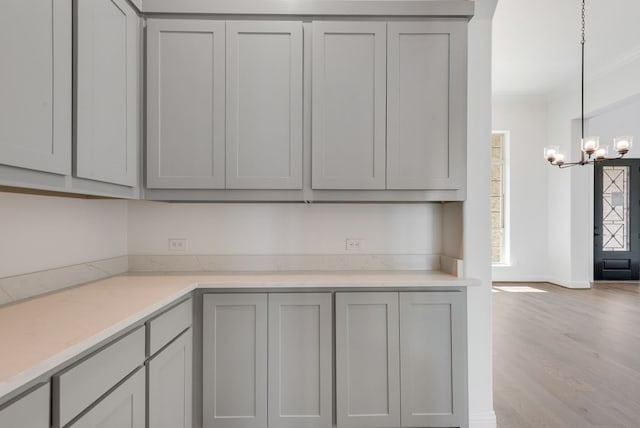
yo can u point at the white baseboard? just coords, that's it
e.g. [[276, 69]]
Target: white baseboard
[[483, 420]]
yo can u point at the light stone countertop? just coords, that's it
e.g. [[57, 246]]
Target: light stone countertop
[[41, 334]]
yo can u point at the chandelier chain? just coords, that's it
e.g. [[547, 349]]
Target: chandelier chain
[[582, 39]]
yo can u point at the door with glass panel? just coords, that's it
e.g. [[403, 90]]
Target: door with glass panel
[[616, 211]]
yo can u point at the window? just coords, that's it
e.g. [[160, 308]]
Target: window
[[499, 214]]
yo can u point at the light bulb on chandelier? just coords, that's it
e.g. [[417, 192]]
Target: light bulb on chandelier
[[591, 151]]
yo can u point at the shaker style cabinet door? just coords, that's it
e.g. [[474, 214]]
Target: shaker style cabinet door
[[432, 357], [29, 411], [348, 105], [107, 93], [234, 361], [185, 104], [426, 99], [35, 88], [300, 359], [170, 385], [367, 361], [124, 407], [264, 105]]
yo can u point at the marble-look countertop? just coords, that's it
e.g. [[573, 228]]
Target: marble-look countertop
[[41, 334]]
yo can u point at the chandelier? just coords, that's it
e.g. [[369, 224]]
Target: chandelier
[[591, 151]]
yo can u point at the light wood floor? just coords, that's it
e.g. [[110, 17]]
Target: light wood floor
[[567, 358]]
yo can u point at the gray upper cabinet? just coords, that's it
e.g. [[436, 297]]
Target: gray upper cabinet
[[185, 104], [300, 359], [35, 89], [426, 99], [124, 407], [264, 105], [234, 361], [367, 360], [432, 357], [29, 411], [348, 105], [170, 383], [107, 110]]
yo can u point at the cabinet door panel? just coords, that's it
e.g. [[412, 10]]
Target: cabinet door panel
[[30, 411], [300, 358], [124, 407], [264, 105], [432, 350], [185, 104], [426, 108], [235, 361], [35, 89], [170, 383], [349, 105], [367, 362], [107, 116]]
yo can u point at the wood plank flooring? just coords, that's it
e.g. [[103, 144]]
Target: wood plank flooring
[[567, 358]]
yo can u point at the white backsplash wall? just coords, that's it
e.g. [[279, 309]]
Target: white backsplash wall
[[43, 232], [284, 229]]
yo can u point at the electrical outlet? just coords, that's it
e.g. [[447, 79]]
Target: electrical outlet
[[354, 244], [178, 244]]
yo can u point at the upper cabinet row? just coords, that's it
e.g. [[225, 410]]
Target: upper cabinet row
[[69, 96], [226, 110]]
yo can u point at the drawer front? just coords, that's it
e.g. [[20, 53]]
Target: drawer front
[[30, 411], [164, 328], [82, 384]]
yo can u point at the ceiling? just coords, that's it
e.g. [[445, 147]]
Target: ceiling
[[536, 43]]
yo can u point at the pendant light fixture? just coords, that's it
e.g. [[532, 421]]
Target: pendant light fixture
[[591, 151]]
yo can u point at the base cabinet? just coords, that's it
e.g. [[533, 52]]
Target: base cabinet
[[170, 384], [244, 362], [401, 359], [124, 407], [29, 411]]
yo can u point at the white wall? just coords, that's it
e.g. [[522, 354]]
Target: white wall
[[41, 232], [525, 118], [477, 222], [284, 229], [570, 202]]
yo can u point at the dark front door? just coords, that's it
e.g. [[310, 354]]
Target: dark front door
[[616, 216]]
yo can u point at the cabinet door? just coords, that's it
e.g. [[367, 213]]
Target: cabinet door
[[30, 411], [426, 93], [170, 384], [264, 105], [300, 358], [367, 362], [234, 362], [185, 104], [433, 359], [124, 407], [107, 114], [35, 88], [349, 105]]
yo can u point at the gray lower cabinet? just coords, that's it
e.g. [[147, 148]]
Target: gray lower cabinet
[[29, 411], [294, 354], [367, 360], [401, 359], [124, 407], [300, 355], [107, 92], [170, 384], [234, 360], [35, 89], [433, 359]]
